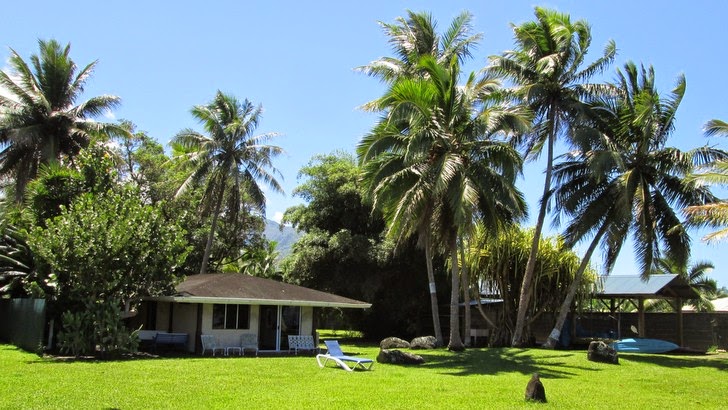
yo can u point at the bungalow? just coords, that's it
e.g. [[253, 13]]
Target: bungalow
[[230, 305]]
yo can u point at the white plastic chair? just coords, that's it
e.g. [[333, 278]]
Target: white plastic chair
[[249, 341], [209, 342]]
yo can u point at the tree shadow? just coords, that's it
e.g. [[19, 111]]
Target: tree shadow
[[676, 361], [494, 361]]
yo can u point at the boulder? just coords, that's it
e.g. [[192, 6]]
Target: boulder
[[423, 342], [601, 352], [398, 357], [394, 343]]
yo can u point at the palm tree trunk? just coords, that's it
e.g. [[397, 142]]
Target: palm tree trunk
[[433, 293], [555, 334], [213, 225], [50, 150], [527, 283], [466, 294], [456, 343]]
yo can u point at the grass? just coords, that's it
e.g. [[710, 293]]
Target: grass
[[477, 378]]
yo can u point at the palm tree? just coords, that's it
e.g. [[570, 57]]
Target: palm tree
[[434, 166], [230, 159], [696, 275], [416, 36], [40, 121], [623, 178], [411, 39], [714, 215], [546, 73]]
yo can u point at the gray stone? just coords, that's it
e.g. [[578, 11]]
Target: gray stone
[[394, 343], [398, 357], [601, 352], [423, 342]]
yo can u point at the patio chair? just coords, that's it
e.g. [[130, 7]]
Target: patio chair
[[249, 341], [337, 356], [209, 342]]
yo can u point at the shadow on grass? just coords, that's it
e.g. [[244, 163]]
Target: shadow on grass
[[716, 362], [495, 361]]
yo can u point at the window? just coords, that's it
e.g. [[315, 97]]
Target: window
[[230, 316]]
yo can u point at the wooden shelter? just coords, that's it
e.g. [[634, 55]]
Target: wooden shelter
[[620, 289]]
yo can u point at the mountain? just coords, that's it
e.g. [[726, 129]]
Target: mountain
[[285, 237]]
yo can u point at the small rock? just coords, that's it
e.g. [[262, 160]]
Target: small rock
[[398, 357], [423, 342], [394, 343]]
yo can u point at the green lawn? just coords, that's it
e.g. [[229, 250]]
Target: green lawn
[[477, 378]]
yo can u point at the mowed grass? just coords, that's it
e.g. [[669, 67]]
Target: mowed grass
[[476, 378]]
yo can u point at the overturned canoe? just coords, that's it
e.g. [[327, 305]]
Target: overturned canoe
[[643, 346]]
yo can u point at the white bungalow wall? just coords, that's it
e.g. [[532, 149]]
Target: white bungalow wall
[[228, 337], [231, 337]]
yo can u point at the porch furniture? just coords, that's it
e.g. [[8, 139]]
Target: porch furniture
[[337, 356], [178, 340], [209, 342], [146, 339], [249, 341], [475, 333], [234, 349], [301, 342]]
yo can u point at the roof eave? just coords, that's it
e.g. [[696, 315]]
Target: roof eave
[[250, 301]]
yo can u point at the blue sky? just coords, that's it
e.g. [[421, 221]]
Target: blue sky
[[297, 59]]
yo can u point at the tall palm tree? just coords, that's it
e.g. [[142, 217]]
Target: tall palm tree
[[547, 75], [40, 121], [411, 39], [229, 159], [714, 215], [433, 163], [623, 178]]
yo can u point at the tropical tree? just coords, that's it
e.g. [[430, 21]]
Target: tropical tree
[[714, 215], [547, 75], [696, 275], [622, 179], [230, 159], [411, 39], [496, 263], [434, 165], [416, 36], [40, 121], [342, 250]]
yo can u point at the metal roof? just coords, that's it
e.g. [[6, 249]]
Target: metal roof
[[632, 286], [237, 288]]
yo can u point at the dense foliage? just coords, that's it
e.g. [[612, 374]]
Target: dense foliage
[[343, 252]]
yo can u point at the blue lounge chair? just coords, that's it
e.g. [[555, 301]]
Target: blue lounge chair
[[337, 356]]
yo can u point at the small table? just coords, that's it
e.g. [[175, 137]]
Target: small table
[[233, 348]]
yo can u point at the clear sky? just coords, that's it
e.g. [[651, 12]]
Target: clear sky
[[296, 58]]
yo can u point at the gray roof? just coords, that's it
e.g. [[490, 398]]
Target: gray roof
[[237, 288], [632, 286]]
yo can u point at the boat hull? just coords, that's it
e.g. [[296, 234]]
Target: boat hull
[[643, 346]]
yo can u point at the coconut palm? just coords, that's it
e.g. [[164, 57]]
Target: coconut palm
[[624, 180], [547, 75], [411, 39], [230, 160], [434, 166], [714, 215], [40, 121], [696, 275], [416, 36]]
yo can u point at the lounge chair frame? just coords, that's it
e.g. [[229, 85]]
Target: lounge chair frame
[[337, 356]]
